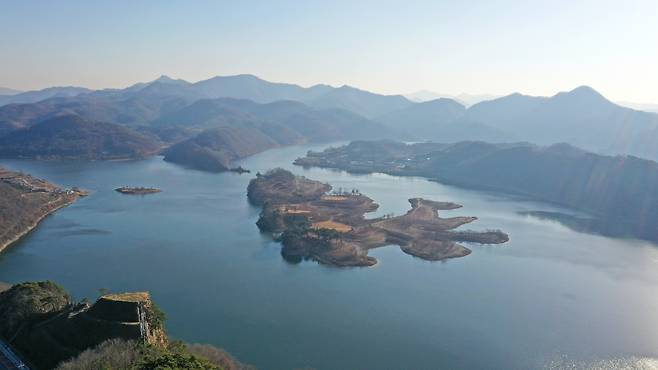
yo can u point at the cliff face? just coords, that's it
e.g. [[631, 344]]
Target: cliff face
[[46, 328], [41, 325], [132, 311]]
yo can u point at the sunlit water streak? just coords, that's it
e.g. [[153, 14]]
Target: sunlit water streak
[[631, 363]]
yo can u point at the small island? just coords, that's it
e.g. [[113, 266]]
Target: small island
[[240, 170], [330, 227], [137, 190]]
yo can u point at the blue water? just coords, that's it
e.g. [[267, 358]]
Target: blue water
[[549, 296]]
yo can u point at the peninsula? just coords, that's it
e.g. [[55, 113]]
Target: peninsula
[[331, 228], [25, 201]]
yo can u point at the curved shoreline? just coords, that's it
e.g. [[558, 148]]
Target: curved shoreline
[[32, 226], [25, 201]]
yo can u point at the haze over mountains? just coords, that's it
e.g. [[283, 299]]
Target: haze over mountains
[[465, 99], [167, 111], [647, 107], [10, 96], [236, 128], [581, 117], [468, 100], [173, 110], [7, 91]]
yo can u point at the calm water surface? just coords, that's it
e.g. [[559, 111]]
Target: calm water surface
[[549, 298]]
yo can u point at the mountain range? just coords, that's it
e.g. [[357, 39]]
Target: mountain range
[[465, 99], [581, 117], [205, 133], [468, 100], [174, 110], [236, 128]]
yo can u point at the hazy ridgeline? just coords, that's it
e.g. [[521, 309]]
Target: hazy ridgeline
[[246, 115]]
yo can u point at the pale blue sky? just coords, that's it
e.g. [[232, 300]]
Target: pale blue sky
[[534, 47]]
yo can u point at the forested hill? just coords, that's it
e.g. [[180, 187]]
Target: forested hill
[[74, 137]]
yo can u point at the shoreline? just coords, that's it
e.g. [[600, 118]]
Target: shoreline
[[26, 200], [33, 226]]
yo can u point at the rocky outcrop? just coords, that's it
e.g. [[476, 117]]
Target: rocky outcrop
[[46, 327], [25, 303]]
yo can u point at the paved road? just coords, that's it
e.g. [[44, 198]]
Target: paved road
[[9, 360]]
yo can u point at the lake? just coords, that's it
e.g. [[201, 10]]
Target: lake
[[550, 298]]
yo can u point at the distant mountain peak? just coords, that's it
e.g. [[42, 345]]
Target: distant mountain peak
[[564, 148], [584, 89], [164, 78], [238, 77], [442, 102], [247, 75], [163, 85], [583, 92], [348, 87]]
